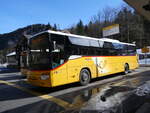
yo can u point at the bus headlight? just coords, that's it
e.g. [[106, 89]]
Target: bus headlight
[[44, 77]]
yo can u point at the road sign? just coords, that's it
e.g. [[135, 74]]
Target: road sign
[[111, 30], [145, 50]]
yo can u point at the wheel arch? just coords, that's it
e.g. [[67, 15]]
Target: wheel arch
[[127, 64], [88, 70], [126, 70]]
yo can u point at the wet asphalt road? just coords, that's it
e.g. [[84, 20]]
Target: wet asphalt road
[[111, 94]]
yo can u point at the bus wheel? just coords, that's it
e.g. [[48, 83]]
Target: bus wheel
[[84, 77], [126, 69]]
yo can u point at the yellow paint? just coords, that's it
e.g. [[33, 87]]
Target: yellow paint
[[145, 50], [70, 71], [60, 102], [110, 27]]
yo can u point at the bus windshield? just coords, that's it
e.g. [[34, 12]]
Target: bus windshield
[[39, 53]]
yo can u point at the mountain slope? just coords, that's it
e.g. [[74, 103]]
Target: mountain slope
[[10, 39]]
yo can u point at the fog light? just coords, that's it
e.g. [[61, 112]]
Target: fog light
[[44, 77]]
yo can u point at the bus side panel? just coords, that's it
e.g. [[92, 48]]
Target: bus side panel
[[107, 65], [115, 64], [133, 62], [70, 71], [91, 63], [59, 75], [74, 67]]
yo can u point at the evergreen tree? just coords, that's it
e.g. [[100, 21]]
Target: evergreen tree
[[80, 28], [48, 26], [55, 27], [86, 30]]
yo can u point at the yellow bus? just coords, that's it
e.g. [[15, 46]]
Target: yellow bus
[[58, 58]]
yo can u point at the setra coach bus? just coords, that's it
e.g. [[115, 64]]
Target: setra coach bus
[[57, 58]]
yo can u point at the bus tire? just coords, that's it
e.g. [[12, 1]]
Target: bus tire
[[84, 77], [126, 68]]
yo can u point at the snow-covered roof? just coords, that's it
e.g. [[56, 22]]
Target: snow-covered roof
[[11, 54]]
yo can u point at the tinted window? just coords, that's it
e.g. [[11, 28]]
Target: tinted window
[[131, 50], [124, 50], [117, 46], [108, 45], [58, 41], [99, 52]]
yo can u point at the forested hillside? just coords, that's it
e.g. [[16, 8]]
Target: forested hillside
[[133, 27], [9, 40]]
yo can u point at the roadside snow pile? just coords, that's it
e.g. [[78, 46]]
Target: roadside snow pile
[[143, 90], [120, 99]]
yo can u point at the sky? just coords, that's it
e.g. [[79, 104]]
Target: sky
[[15, 14]]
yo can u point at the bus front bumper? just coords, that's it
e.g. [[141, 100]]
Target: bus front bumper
[[40, 83], [38, 79]]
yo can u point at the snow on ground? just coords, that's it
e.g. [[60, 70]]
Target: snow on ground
[[143, 90]]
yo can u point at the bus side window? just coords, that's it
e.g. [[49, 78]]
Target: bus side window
[[105, 52], [109, 49], [113, 52], [99, 52], [131, 50], [108, 45], [84, 51], [125, 50]]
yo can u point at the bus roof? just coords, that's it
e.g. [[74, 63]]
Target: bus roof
[[79, 36]]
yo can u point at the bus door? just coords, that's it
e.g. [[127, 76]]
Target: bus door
[[59, 69]]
